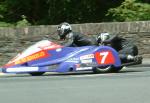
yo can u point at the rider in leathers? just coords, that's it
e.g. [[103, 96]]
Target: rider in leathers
[[73, 38], [127, 50]]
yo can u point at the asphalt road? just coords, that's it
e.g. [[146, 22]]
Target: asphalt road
[[131, 85]]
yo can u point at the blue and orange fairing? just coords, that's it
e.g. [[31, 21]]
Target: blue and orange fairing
[[46, 56], [33, 53]]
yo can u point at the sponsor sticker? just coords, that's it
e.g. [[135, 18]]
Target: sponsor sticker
[[58, 50], [86, 61], [88, 56], [84, 68], [22, 69], [75, 60], [34, 56]]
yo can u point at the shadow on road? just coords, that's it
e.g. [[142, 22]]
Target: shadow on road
[[71, 73]]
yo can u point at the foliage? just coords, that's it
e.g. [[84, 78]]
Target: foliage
[[130, 10], [4, 24], [54, 11], [22, 23], [43, 12]]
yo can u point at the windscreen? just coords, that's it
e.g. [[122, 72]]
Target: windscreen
[[41, 45]]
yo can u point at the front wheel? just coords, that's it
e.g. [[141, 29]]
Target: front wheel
[[36, 73], [106, 69]]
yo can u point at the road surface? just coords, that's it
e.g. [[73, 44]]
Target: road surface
[[130, 85]]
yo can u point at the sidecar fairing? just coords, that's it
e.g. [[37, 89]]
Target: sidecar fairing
[[46, 56]]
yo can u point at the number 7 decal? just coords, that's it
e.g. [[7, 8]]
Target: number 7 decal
[[104, 57]]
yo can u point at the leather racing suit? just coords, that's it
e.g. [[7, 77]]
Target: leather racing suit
[[123, 46], [76, 39]]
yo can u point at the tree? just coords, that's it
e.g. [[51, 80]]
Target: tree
[[130, 10], [48, 12]]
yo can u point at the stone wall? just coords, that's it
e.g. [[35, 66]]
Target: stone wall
[[14, 40]]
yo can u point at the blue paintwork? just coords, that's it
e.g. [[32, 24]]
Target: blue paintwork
[[62, 58]]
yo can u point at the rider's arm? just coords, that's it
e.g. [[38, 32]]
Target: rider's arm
[[112, 38], [70, 42]]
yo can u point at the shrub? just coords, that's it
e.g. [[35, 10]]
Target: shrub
[[130, 10]]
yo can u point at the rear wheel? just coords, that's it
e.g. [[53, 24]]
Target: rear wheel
[[36, 73], [106, 69]]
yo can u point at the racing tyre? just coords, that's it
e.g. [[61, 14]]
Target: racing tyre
[[106, 69], [36, 73], [116, 69]]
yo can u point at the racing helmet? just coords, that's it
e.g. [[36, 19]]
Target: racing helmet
[[63, 29], [102, 37]]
